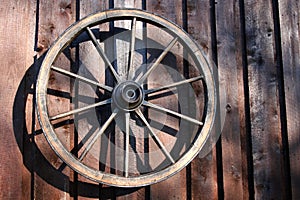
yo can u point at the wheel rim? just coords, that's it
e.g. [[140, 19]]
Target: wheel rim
[[132, 97]]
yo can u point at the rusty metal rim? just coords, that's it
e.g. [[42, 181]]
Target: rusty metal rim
[[66, 156]]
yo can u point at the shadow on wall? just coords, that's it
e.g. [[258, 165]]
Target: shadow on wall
[[31, 153]]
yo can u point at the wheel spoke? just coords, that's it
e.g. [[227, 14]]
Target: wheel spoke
[[98, 134], [78, 110], [127, 117], [159, 59], [187, 118], [132, 46], [102, 54], [65, 72], [155, 137], [173, 85]]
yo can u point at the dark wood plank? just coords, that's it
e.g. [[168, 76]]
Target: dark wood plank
[[54, 18], [265, 121], [16, 53], [203, 168], [229, 66], [289, 24]]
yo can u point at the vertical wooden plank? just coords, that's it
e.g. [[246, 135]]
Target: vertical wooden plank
[[54, 18], [174, 187], [89, 7], [265, 122], [246, 137], [289, 24], [203, 170], [86, 57], [229, 66], [16, 55], [122, 48], [89, 62]]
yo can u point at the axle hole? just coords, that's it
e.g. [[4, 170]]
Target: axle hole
[[130, 94]]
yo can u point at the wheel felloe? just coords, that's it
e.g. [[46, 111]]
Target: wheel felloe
[[128, 102]]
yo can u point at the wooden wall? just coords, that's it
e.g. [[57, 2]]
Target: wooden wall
[[255, 45]]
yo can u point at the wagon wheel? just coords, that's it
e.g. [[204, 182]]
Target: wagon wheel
[[128, 99]]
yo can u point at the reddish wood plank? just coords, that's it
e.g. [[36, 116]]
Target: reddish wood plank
[[229, 62], [16, 55], [174, 187], [122, 49], [90, 61], [203, 168], [265, 122], [89, 7], [289, 24], [54, 18]]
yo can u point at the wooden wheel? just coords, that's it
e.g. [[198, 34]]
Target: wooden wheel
[[130, 100]]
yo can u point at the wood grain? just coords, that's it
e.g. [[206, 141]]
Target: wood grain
[[229, 62], [203, 168], [265, 122], [289, 24], [122, 48], [30, 169], [174, 187], [54, 18], [16, 53], [91, 65]]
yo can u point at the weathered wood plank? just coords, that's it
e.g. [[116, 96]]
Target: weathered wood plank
[[265, 122], [89, 7], [229, 62], [204, 168], [122, 48], [289, 24], [90, 62], [174, 187], [54, 18], [16, 55]]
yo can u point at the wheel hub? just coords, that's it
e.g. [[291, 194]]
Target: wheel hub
[[128, 95]]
